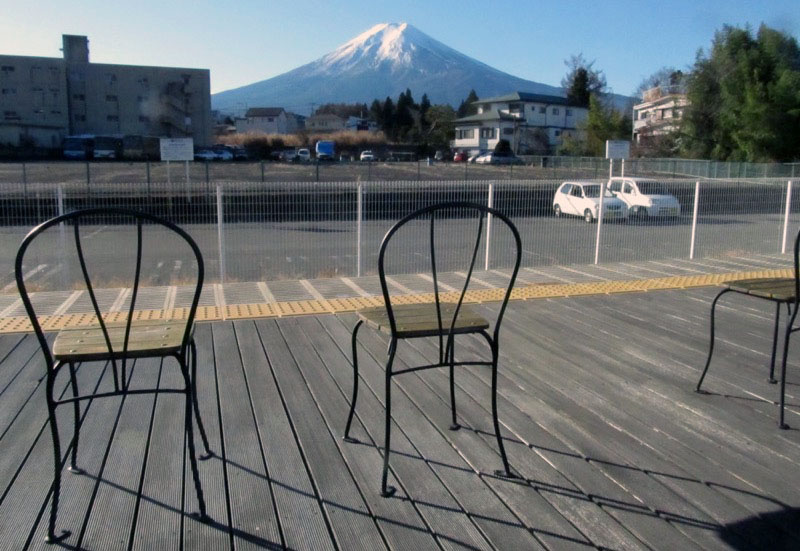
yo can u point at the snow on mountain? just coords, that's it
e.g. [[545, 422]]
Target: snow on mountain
[[382, 61]]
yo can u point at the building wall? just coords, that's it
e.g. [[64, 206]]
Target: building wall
[[48, 98], [270, 125], [33, 100]]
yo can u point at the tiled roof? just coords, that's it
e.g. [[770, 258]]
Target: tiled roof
[[264, 112], [525, 96]]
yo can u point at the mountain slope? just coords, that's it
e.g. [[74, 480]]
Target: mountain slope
[[381, 62]]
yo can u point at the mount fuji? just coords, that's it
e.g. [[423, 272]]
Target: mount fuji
[[381, 62]]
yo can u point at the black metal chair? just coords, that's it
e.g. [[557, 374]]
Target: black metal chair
[[445, 318], [114, 342], [780, 290]]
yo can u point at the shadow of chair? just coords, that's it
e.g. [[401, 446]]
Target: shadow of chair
[[446, 314], [114, 337], [780, 290]]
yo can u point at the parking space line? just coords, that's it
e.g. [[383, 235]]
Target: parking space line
[[67, 303], [350, 283], [265, 292], [311, 289]]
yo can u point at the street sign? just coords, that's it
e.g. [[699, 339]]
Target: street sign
[[618, 149], [177, 149]]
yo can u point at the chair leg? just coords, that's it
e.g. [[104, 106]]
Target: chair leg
[[781, 423], [711, 343], [76, 409], [454, 424], [353, 399], [209, 453], [388, 491], [190, 441], [51, 410], [774, 343], [506, 472]]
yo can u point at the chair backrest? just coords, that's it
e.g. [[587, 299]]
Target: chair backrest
[[455, 218], [93, 218]]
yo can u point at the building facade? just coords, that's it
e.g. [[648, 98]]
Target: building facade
[[43, 99], [270, 120], [530, 122], [325, 123], [659, 113]]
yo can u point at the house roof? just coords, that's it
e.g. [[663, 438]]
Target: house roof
[[325, 116], [525, 96], [264, 112], [493, 115]]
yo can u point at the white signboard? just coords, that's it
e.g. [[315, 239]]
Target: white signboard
[[177, 149], [618, 149]]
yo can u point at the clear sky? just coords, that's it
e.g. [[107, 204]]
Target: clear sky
[[246, 41]]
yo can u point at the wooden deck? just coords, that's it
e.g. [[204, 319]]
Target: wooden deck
[[614, 448]]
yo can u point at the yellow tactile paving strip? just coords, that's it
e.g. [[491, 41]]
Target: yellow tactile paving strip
[[331, 306]]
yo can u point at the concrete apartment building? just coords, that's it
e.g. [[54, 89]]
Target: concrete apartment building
[[525, 120], [659, 113], [43, 99]]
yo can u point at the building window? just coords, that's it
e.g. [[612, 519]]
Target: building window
[[7, 68], [558, 133], [466, 134], [79, 97], [569, 112], [112, 118], [270, 119], [111, 79], [555, 110], [111, 97], [515, 108], [11, 115], [55, 111], [80, 118], [543, 110], [55, 73], [143, 118], [488, 133], [9, 91], [508, 131]]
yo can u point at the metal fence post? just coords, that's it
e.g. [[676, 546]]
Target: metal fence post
[[359, 223], [262, 172], [317, 170], [490, 204], [600, 210], [220, 236], [786, 216], [24, 175], [694, 219]]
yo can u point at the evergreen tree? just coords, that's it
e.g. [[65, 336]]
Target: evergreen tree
[[582, 81], [388, 118], [468, 106], [744, 98]]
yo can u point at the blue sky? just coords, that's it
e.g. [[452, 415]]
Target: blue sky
[[246, 41]]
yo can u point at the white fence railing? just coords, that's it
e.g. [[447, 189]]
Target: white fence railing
[[254, 231]]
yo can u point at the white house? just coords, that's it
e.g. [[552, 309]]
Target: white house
[[271, 120], [325, 123], [531, 123], [659, 113]]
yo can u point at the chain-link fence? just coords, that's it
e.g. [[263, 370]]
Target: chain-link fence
[[254, 231]]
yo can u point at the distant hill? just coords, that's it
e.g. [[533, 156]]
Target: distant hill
[[381, 62]]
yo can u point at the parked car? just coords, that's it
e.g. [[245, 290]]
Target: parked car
[[289, 156], [240, 154], [583, 199], [367, 156], [498, 159], [303, 155], [475, 156], [460, 157], [645, 197]]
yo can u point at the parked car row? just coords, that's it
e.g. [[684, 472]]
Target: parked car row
[[220, 153], [623, 198]]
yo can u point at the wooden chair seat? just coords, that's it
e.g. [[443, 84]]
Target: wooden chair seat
[[421, 320], [147, 338], [781, 289]]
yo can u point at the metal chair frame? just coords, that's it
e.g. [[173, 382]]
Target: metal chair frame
[[186, 355], [792, 305], [446, 352]]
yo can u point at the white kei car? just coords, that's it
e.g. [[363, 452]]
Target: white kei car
[[583, 199], [645, 197]]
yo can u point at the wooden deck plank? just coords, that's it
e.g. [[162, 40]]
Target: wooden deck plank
[[14, 359], [254, 522], [398, 519], [631, 403], [215, 534], [159, 517], [302, 520], [350, 518], [8, 342], [27, 466], [97, 426], [114, 504], [442, 513], [489, 513], [20, 388]]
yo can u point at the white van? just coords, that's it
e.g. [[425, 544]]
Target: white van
[[645, 197]]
